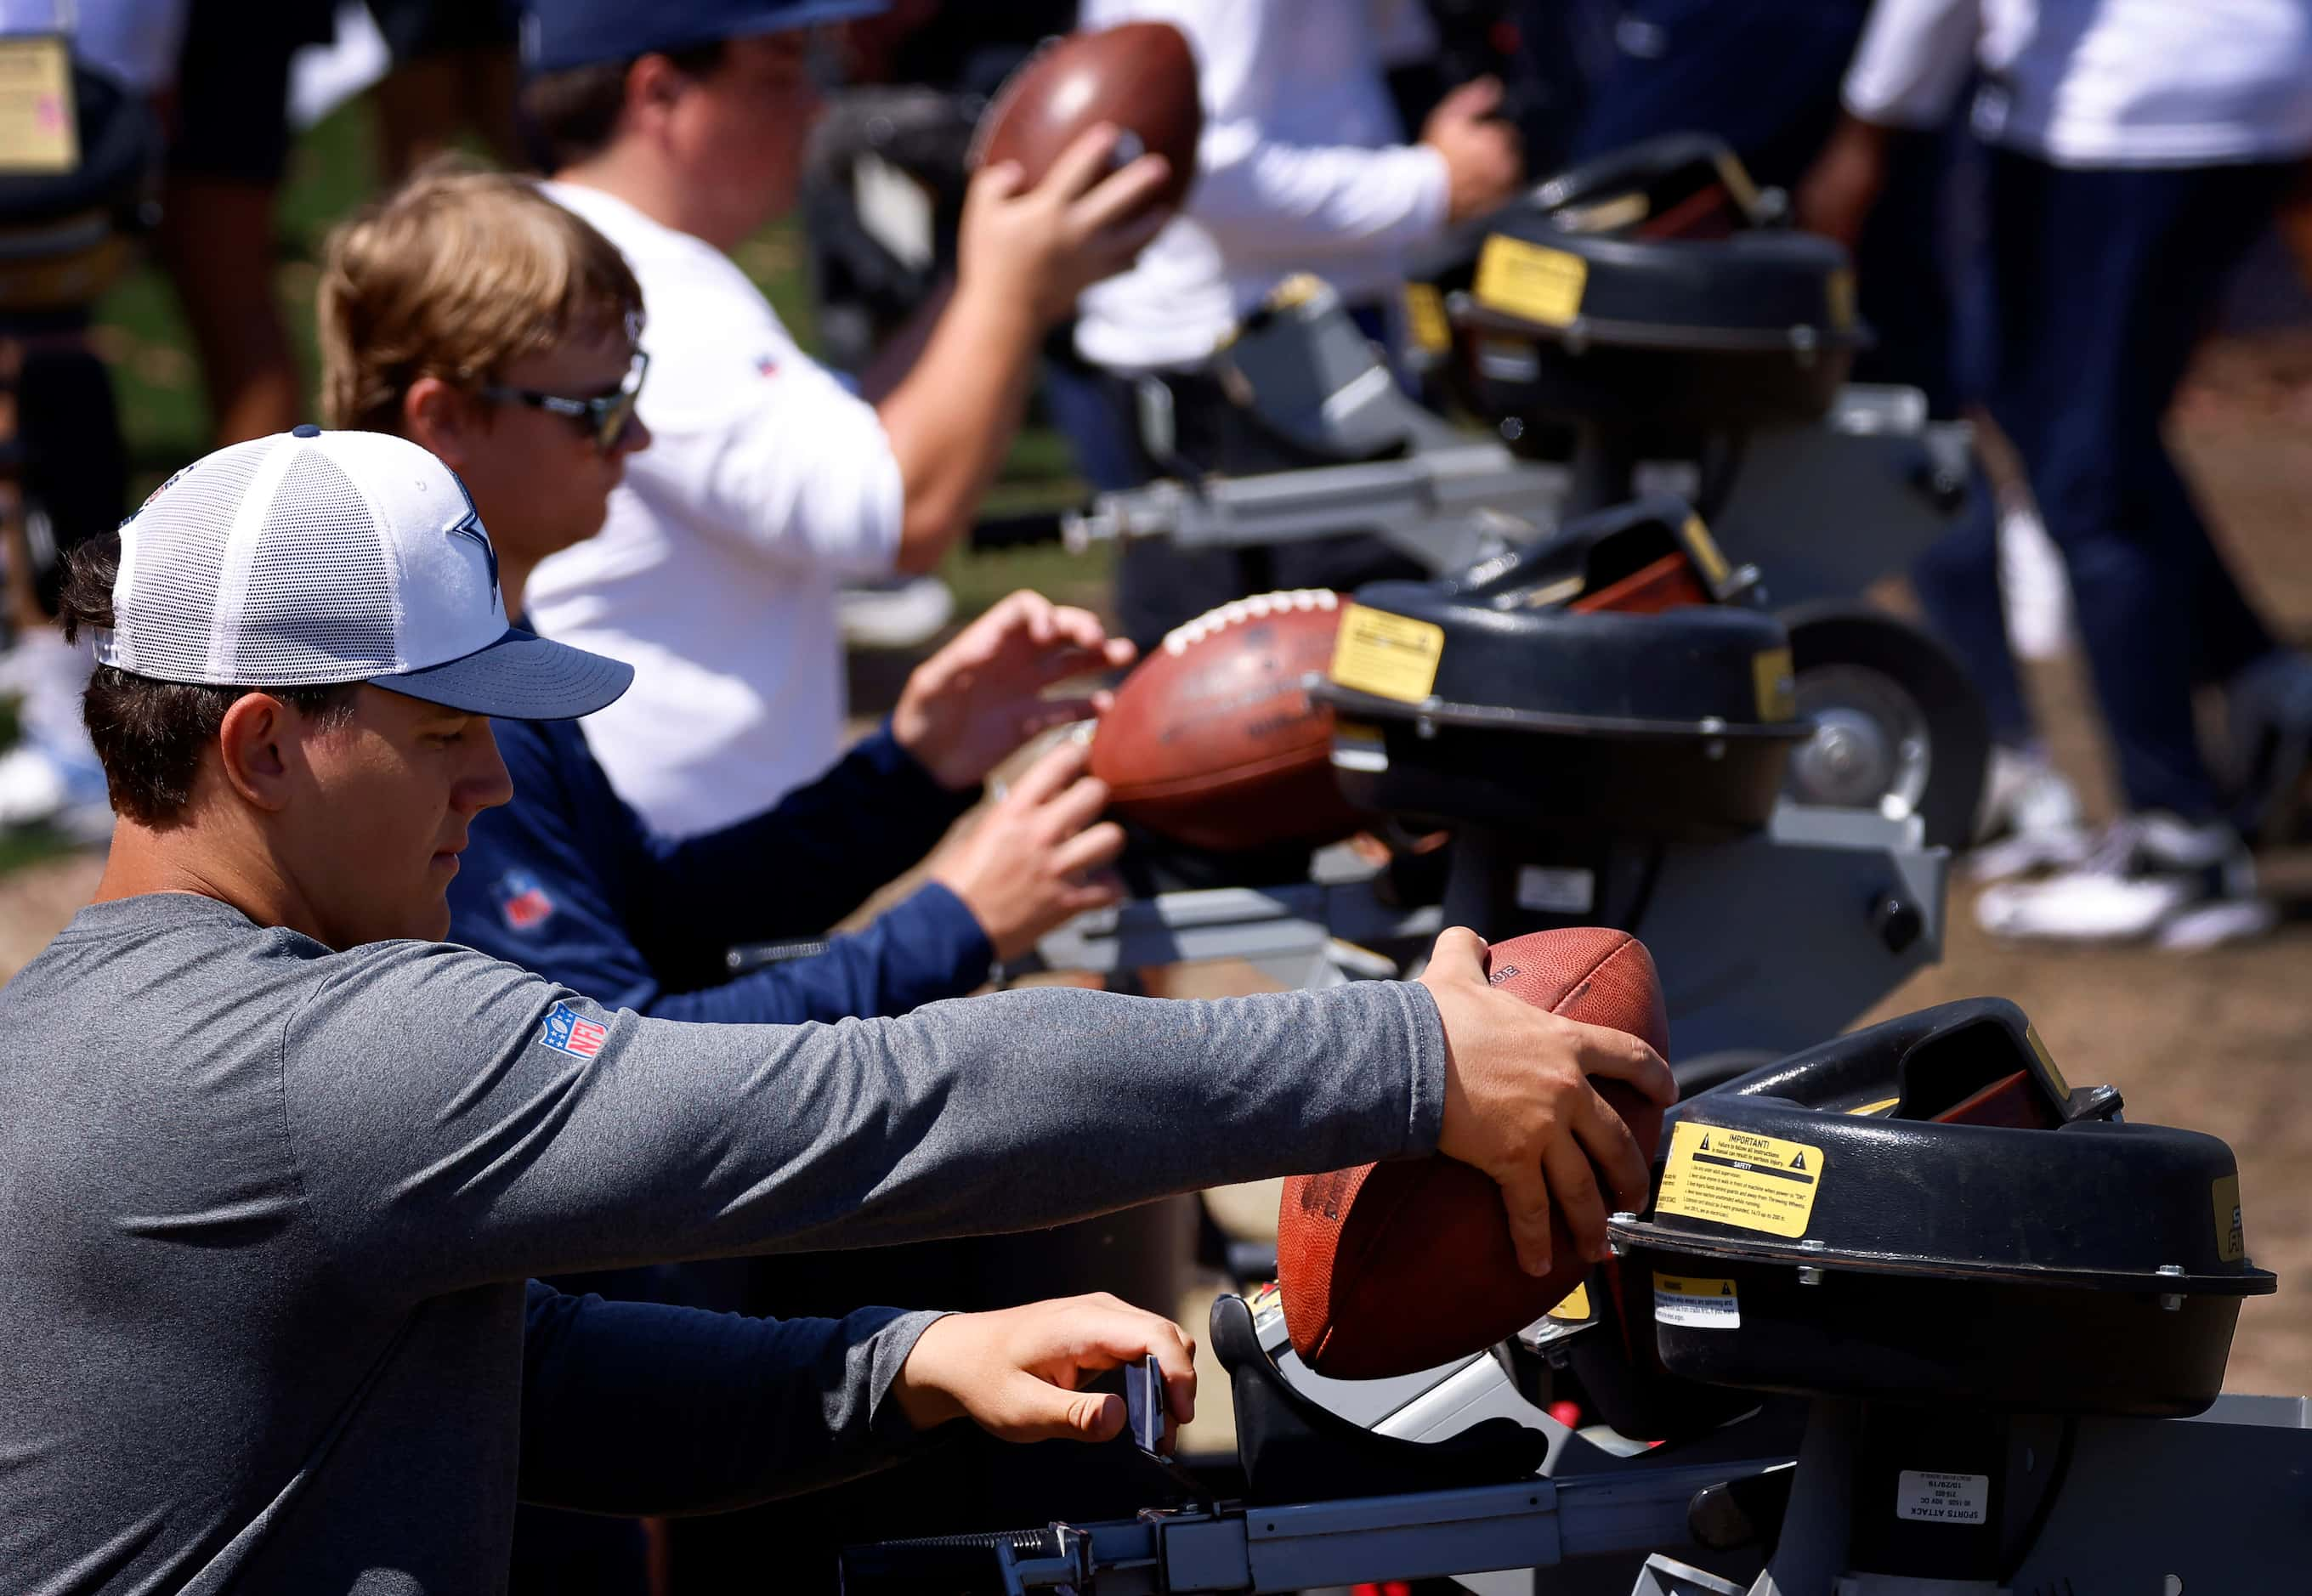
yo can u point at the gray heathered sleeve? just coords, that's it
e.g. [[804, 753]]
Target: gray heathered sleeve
[[442, 1141]]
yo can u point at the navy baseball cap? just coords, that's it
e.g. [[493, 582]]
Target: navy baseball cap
[[560, 34]]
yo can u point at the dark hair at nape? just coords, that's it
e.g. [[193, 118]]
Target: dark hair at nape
[[149, 734], [571, 116]]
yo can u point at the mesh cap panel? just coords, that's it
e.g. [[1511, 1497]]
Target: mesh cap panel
[[311, 614], [172, 592]]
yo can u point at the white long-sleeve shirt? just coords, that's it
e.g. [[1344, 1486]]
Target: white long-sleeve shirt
[[1302, 167], [766, 483], [2099, 82]]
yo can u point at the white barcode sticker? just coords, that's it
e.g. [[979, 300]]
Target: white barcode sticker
[[1697, 1305], [1548, 890], [1942, 1498]]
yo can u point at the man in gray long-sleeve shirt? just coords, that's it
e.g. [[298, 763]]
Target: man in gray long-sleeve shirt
[[274, 1176]]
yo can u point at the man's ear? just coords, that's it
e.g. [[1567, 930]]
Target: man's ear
[[653, 84], [253, 749], [441, 419]]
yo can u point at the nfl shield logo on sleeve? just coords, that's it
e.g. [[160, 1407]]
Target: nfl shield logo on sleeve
[[566, 1030]]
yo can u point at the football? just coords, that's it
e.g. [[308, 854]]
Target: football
[[1394, 1267], [1213, 740], [1140, 76]]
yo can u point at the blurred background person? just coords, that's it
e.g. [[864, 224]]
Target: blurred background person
[[677, 130], [1766, 76], [2137, 149], [1303, 167]]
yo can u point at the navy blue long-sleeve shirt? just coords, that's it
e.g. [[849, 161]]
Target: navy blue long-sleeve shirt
[[567, 880]]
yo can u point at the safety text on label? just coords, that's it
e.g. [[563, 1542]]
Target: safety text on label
[[1740, 1178]]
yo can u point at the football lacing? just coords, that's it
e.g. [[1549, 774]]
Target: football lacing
[[1259, 606]]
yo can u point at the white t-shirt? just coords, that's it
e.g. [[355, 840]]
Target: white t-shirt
[[2099, 82], [1303, 167], [766, 483]]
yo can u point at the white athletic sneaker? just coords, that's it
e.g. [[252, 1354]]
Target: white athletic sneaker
[[897, 613], [2151, 875], [2031, 818]]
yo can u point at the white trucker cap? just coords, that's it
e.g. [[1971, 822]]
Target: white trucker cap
[[311, 558]]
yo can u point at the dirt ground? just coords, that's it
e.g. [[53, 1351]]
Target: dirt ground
[[2221, 1042]]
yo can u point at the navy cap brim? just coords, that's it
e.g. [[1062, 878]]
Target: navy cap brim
[[522, 677], [557, 38]]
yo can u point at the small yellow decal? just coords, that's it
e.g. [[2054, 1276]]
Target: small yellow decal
[[1543, 286], [1776, 684], [1386, 655], [2046, 1060], [1576, 1305], [1425, 319], [1705, 551], [2231, 1238]]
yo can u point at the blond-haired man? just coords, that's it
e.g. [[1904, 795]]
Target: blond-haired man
[[472, 315]]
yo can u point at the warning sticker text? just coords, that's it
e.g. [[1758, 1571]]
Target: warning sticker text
[[1697, 1305], [1738, 1177]]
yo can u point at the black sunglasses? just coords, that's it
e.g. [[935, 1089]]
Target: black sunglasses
[[602, 418]]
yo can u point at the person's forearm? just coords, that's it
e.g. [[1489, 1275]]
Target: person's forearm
[[1911, 62], [637, 1407], [800, 866], [951, 421], [922, 950]]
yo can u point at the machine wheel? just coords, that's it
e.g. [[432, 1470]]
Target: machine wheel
[[1899, 729]]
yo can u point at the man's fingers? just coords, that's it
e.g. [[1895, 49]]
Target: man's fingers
[[1479, 97], [1042, 714], [1075, 806], [1089, 849], [1078, 626], [1119, 242], [1574, 1187], [1121, 194], [1622, 1057], [1458, 955], [1049, 774], [1120, 651], [1525, 1197], [1001, 181], [1613, 1151], [1080, 165], [1041, 1411]]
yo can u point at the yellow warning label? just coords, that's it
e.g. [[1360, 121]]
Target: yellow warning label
[[2046, 1060], [1777, 686], [1838, 293], [1575, 1306], [1696, 1303], [2231, 1239], [1388, 656], [1880, 1107], [1425, 319], [1734, 1177], [1705, 551], [39, 129], [1543, 286]]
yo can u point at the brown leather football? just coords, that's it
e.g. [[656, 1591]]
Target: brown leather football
[[1393, 1268], [1213, 740], [1140, 76]]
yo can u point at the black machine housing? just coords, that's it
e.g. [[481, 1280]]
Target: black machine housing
[[1966, 1228], [1649, 293], [1532, 713]]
